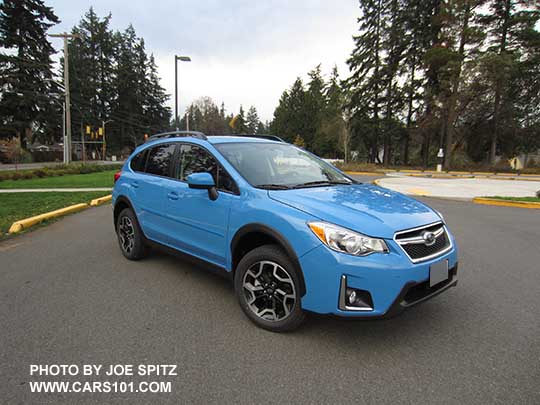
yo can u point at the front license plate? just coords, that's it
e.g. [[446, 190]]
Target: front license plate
[[438, 272]]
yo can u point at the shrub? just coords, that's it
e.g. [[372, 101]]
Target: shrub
[[16, 176], [60, 170]]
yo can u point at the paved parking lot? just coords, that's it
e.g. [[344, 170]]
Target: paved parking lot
[[68, 296]]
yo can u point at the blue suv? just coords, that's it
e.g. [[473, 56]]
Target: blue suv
[[295, 233]]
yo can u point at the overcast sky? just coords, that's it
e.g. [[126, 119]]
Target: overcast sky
[[243, 51]]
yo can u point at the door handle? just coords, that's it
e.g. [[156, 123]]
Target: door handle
[[172, 196], [135, 184]]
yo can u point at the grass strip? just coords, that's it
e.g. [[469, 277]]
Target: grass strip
[[98, 179], [17, 206]]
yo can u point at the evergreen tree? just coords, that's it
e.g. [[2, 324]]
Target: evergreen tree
[[156, 113], [240, 125], [92, 55], [291, 116], [365, 83], [418, 18], [252, 121], [25, 68], [331, 136], [513, 38]]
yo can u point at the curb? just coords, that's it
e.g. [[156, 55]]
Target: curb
[[364, 173], [506, 203], [26, 223], [100, 200]]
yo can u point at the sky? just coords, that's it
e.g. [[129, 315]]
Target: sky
[[244, 52]]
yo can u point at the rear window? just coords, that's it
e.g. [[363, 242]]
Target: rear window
[[160, 159], [139, 161]]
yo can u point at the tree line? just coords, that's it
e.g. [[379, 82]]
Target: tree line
[[461, 75], [206, 116]]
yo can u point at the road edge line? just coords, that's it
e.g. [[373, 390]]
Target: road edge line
[[26, 223], [506, 203], [101, 200]]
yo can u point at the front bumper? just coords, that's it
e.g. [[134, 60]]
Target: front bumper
[[392, 280]]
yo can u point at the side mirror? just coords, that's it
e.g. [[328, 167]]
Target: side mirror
[[203, 181]]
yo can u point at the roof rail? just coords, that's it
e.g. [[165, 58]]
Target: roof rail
[[178, 134], [269, 137]]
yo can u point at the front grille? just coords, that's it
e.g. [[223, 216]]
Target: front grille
[[414, 244]]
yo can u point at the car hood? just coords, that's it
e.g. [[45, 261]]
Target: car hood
[[371, 210]]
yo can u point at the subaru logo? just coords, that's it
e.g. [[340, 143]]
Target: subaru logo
[[429, 238]]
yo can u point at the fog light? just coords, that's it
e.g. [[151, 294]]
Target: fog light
[[354, 299], [352, 296]]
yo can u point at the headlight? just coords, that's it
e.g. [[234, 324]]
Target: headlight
[[346, 241]]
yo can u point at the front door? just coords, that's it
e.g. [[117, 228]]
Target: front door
[[199, 224]]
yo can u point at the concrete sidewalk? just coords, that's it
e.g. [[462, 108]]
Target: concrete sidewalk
[[47, 190], [459, 188]]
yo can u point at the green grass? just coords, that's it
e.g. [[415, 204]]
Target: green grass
[[17, 206], [524, 199], [99, 179]]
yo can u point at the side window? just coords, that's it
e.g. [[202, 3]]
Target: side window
[[194, 159], [160, 159], [139, 161]]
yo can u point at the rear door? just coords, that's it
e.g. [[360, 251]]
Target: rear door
[[151, 191], [199, 225]]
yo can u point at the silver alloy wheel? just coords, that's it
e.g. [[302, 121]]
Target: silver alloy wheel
[[126, 232], [269, 291]]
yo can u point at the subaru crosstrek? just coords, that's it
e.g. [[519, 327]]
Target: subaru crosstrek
[[295, 233]]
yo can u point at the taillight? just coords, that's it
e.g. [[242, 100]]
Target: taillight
[[117, 176]]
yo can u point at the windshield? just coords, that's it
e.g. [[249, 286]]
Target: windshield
[[279, 166]]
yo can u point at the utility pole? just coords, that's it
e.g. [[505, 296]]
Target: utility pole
[[104, 145], [176, 59], [67, 143], [64, 137]]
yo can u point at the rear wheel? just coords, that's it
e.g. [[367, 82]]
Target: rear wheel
[[130, 236], [267, 287]]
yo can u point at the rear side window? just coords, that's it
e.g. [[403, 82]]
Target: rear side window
[[139, 161], [160, 159], [194, 159]]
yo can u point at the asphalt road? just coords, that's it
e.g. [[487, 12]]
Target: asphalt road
[[67, 296]]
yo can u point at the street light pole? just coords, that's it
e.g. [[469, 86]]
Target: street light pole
[[176, 59]]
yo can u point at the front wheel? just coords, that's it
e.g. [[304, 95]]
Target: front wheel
[[267, 286]]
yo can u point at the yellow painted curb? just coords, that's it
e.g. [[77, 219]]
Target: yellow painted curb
[[100, 200], [512, 178], [26, 223], [419, 192], [364, 173], [506, 203]]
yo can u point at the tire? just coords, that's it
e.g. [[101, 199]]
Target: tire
[[267, 285], [130, 236]]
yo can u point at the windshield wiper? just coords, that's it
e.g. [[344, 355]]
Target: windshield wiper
[[273, 186], [321, 183]]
